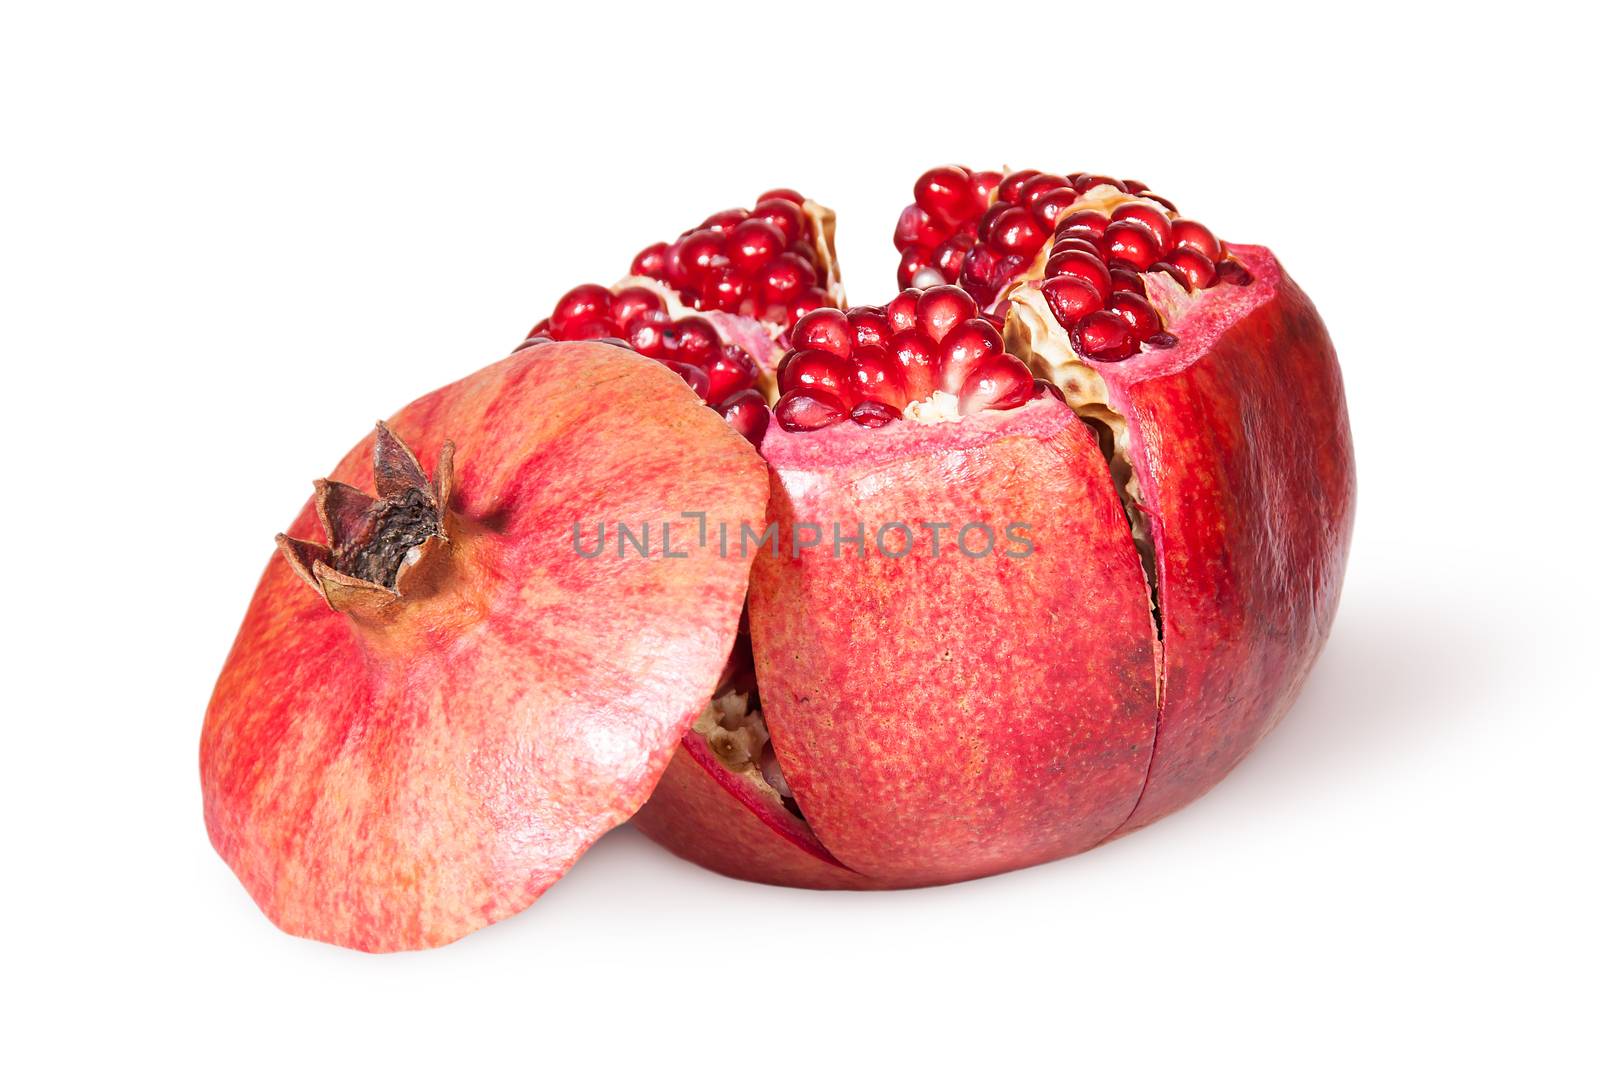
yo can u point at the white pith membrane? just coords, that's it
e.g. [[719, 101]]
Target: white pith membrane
[[758, 337]]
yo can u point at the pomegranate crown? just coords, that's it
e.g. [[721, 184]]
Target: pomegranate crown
[[376, 546]]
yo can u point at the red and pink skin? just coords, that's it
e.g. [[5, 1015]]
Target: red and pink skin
[[942, 717], [1241, 443], [940, 721], [396, 778]]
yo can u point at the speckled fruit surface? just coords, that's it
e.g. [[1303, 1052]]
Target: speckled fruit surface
[[943, 720], [398, 778]]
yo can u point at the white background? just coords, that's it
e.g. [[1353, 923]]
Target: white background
[[233, 236]]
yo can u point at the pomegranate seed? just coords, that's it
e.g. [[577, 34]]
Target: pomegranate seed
[[752, 245], [730, 371], [1082, 234], [588, 329], [651, 261], [1071, 298], [914, 263], [1163, 266], [984, 183], [1030, 191], [902, 311], [816, 368], [941, 308], [1104, 336], [1011, 187], [647, 331], [1187, 234], [826, 328], [691, 340], [964, 347], [875, 375], [915, 229], [747, 413], [581, 302], [725, 289], [1082, 245], [982, 273], [786, 276], [1161, 341], [1001, 382], [1084, 183], [1128, 281], [1017, 232], [1148, 216], [783, 193], [917, 357], [699, 252], [1133, 243], [724, 220], [950, 255], [809, 410], [1083, 266], [1051, 206], [874, 414], [1095, 221], [945, 193], [991, 215], [630, 301], [783, 215], [697, 379], [809, 301], [1199, 269], [871, 325], [1137, 313], [1232, 271], [1044, 386]]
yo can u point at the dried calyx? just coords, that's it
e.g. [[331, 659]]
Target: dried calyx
[[376, 545]]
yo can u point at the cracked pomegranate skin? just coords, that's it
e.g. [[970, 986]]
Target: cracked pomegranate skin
[[942, 717], [1242, 445], [398, 780], [1240, 442]]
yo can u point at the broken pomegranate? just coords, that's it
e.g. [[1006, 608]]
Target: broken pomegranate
[[931, 719], [1051, 539], [421, 724]]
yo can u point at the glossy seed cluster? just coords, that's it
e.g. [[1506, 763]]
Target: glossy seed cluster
[[723, 375], [762, 263], [957, 232], [870, 363]]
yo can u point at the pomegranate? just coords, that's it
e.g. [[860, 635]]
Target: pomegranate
[[1050, 540], [420, 726], [1189, 509]]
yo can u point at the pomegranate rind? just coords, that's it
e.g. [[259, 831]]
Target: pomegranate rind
[[1240, 440], [942, 718], [702, 812], [399, 783]]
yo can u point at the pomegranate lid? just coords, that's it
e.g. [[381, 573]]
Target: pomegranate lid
[[448, 686]]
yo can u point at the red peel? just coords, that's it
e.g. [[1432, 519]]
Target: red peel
[[430, 760]]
